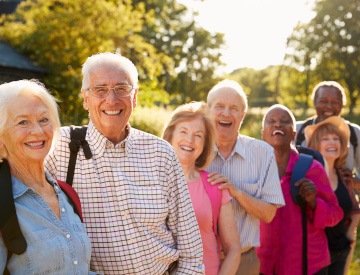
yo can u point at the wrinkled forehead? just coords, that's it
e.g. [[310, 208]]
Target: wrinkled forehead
[[280, 111], [225, 95]]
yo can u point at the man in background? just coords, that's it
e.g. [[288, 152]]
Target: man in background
[[250, 167], [329, 99]]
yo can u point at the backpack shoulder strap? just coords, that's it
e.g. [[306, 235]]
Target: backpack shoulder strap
[[353, 138], [300, 137], [9, 224], [73, 196], [77, 140], [299, 171]]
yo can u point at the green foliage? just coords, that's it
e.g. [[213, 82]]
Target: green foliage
[[151, 120], [195, 53], [171, 53], [327, 47]]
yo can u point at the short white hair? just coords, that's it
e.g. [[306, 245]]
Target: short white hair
[[10, 91], [230, 84], [108, 59]]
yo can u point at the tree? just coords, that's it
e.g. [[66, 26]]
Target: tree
[[60, 35], [328, 47], [195, 53]]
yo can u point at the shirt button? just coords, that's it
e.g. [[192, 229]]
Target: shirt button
[[63, 210], [75, 262], [68, 236]]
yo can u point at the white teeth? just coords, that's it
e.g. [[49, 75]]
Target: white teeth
[[329, 113], [35, 144], [278, 132], [186, 148], [112, 112]]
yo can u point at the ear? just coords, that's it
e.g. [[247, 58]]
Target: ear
[[85, 97], [134, 101], [243, 116]]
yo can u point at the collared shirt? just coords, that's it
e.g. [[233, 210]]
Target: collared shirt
[[252, 168], [56, 246], [353, 157], [135, 201], [281, 239]]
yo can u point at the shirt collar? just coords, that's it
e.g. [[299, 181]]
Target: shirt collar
[[98, 142], [238, 149], [20, 188]]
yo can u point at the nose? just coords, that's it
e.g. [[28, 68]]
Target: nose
[[190, 137], [111, 96], [36, 129], [225, 111]]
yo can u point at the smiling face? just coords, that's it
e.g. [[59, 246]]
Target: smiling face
[[28, 134], [227, 112], [111, 114], [328, 102], [330, 146], [278, 128], [188, 140]]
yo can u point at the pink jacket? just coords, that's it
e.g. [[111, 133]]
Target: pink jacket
[[281, 240]]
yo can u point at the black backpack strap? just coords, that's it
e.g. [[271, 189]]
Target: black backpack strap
[[77, 140], [353, 138], [300, 136], [9, 224]]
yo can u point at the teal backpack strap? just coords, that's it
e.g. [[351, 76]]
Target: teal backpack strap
[[301, 166], [299, 171]]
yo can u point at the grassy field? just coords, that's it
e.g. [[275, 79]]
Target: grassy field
[[355, 264], [153, 120]]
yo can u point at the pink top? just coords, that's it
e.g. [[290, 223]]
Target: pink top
[[203, 213], [281, 240]]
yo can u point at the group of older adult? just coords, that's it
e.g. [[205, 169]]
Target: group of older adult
[[201, 200]]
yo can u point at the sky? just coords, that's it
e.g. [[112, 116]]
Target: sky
[[255, 30]]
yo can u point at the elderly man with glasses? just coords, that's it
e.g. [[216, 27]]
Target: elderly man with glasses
[[135, 200]]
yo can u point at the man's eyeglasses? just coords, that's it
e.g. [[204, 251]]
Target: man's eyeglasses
[[122, 90]]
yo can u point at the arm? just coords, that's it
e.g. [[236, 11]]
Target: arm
[[325, 211], [230, 240], [260, 209], [351, 232], [182, 222]]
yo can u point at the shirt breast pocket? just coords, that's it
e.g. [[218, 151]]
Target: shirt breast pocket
[[45, 252], [250, 188]]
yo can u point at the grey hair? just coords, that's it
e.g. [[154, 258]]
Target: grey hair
[[10, 91], [230, 84], [330, 84], [282, 107], [106, 60]]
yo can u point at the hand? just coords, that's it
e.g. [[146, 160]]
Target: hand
[[307, 190], [224, 182], [346, 176]]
